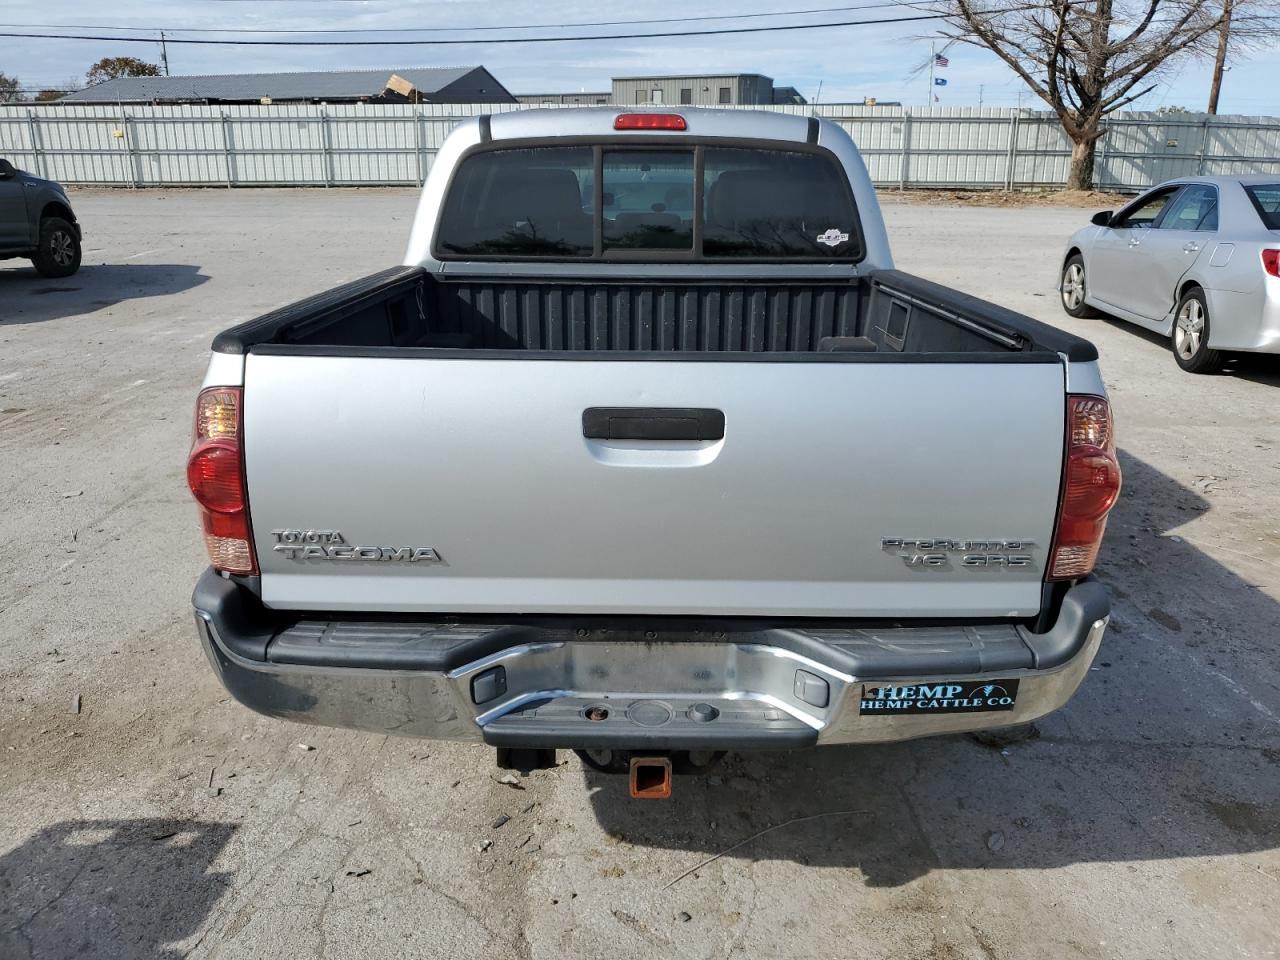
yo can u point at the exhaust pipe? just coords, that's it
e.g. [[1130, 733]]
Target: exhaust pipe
[[651, 778]]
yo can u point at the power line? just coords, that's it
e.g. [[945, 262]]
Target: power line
[[438, 43], [512, 26]]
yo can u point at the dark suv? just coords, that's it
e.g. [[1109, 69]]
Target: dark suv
[[36, 222]]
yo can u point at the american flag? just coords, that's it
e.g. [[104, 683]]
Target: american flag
[[940, 60]]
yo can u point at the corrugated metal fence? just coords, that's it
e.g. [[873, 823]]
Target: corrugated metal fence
[[368, 144]]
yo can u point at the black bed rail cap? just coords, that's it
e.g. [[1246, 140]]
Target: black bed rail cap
[[269, 327], [1008, 323]]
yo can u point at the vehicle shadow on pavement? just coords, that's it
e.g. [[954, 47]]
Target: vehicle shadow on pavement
[[27, 297], [1255, 367], [125, 889], [1170, 749]]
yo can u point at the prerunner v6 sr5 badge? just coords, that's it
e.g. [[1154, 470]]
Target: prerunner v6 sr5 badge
[[967, 697]]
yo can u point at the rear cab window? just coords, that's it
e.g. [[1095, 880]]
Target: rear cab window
[[521, 203], [648, 200], [775, 203], [635, 202], [1266, 200]]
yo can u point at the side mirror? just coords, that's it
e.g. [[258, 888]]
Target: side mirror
[[7, 170], [1101, 219]]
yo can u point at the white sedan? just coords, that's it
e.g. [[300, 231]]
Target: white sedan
[[1196, 260]]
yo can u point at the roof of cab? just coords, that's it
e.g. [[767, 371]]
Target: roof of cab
[[598, 121]]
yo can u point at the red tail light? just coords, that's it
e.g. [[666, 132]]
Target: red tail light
[[649, 121], [1090, 486], [1271, 262], [215, 474]]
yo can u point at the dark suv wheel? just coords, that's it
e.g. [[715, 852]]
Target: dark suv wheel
[[58, 252]]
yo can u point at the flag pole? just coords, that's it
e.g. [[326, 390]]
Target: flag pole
[[932, 58]]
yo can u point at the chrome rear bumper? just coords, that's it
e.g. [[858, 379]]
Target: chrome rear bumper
[[660, 689]]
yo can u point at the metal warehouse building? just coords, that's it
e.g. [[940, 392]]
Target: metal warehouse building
[[704, 90], [428, 85]]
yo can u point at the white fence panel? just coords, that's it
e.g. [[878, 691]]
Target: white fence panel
[[372, 144]]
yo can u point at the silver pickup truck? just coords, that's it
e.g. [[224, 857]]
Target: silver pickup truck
[[647, 449]]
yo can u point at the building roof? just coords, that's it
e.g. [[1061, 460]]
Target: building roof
[[312, 85]]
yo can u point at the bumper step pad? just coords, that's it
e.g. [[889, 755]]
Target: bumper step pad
[[649, 724]]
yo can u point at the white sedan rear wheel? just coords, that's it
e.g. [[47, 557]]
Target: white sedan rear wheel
[[1191, 335], [1073, 288]]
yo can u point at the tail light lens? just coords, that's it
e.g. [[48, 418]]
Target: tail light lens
[[1271, 262], [649, 121], [215, 474], [1090, 486]]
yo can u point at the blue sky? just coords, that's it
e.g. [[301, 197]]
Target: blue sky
[[850, 63]]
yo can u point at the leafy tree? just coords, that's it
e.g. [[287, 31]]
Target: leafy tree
[[45, 96], [111, 68]]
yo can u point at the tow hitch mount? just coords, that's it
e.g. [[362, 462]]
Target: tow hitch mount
[[651, 778]]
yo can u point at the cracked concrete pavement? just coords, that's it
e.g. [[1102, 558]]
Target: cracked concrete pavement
[[164, 820]]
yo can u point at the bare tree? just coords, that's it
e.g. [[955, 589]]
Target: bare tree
[[10, 88], [1220, 61], [1085, 58]]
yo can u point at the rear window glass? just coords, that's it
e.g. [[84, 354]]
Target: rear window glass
[[682, 202], [775, 203], [1266, 199], [521, 203], [648, 200]]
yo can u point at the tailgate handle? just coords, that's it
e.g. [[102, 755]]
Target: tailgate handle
[[653, 423]]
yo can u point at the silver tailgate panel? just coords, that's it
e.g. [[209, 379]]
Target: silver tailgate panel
[[485, 461]]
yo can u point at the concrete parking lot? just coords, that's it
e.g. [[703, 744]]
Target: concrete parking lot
[[145, 814]]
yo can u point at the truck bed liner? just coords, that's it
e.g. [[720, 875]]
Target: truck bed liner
[[595, 315], [407, 308]]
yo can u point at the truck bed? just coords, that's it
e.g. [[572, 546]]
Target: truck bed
[[886, 313], [472, 417]]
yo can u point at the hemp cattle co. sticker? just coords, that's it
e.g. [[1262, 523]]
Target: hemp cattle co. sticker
[[966, 697], [833, 237]]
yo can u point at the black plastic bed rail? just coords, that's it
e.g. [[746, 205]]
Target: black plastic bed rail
[[1015, 331], [377, 293]]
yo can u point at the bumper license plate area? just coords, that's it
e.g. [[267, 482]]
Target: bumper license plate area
[[946, 696]]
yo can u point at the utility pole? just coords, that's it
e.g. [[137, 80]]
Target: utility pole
[[981, 87], [164, 54], [1220, 61]]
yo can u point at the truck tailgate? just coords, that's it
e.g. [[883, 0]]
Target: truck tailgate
[[468, 485]]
